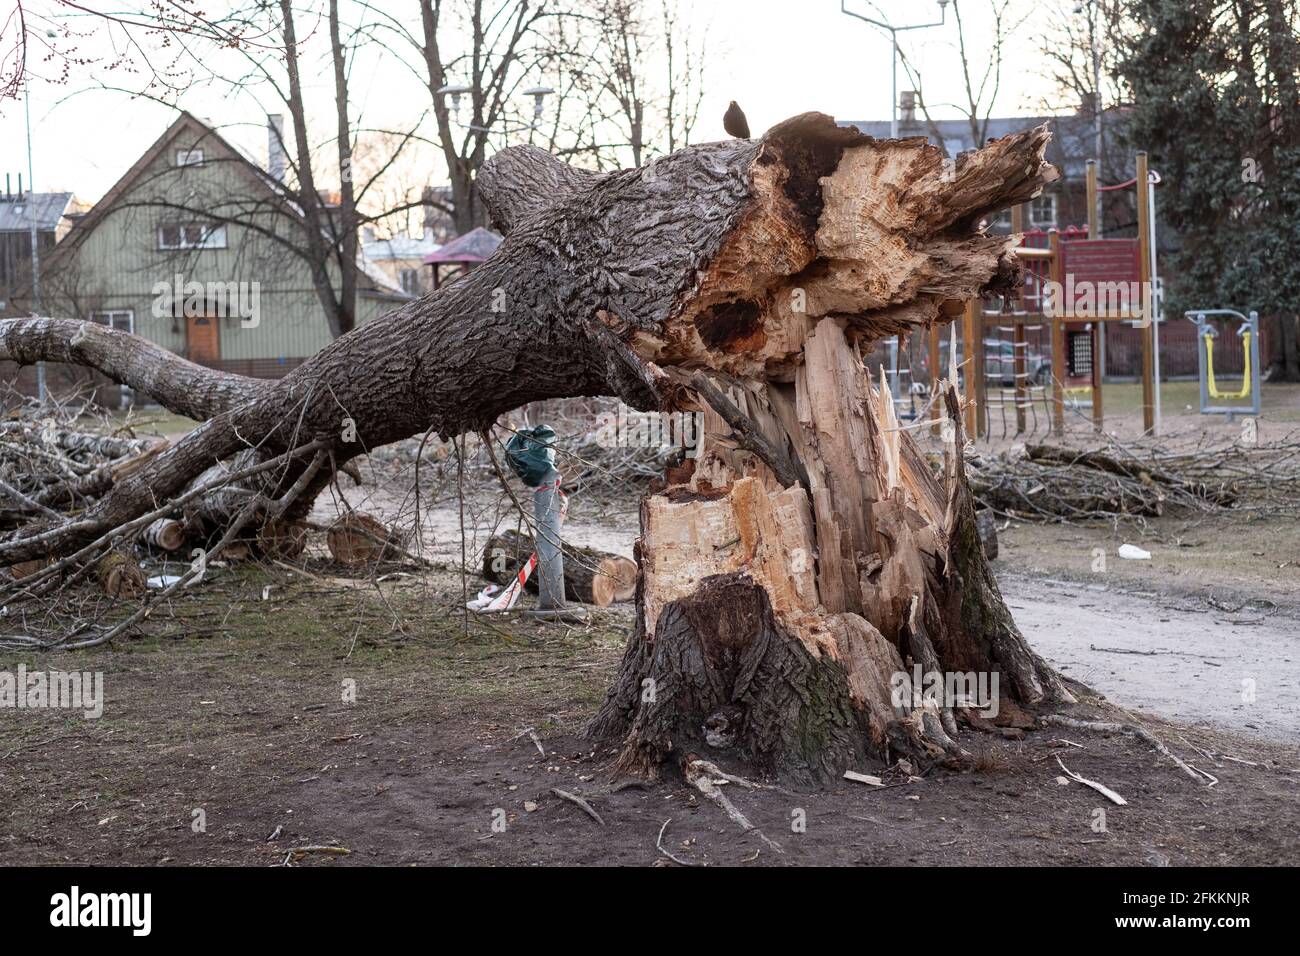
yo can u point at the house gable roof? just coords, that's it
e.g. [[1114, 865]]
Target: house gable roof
[[203, 135]]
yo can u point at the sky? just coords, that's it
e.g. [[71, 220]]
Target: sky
[[776, 57]]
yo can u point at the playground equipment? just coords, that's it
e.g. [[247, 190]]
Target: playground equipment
[[1206, 333], [1072, 286]]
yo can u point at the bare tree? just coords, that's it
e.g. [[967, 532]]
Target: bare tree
[[979, 86], [636, 70], [1080, 58], [299, 214]]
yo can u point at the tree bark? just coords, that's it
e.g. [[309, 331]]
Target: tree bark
[[773, 616]]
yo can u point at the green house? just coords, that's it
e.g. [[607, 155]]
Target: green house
[[199, 249]]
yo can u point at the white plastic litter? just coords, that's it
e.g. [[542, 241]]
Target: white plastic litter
[[163, 581], [484, 598], [1134, 553]]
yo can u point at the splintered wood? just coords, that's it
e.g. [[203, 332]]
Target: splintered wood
[[863, 562]]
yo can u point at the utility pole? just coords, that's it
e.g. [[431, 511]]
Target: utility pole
[[1094, 14], [893, 39], [35, 235]]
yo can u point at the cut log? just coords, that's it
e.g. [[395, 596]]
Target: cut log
[[165, 534], [358, 539], [120, 576], [590, 576], [283, 539]]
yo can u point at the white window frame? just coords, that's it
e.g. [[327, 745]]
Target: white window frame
[[411, 278], [189, 157], [213, 237], [109, 318], [1035, 217]]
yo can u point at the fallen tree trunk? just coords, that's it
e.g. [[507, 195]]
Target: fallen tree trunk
[[807, 556], [590, 576]]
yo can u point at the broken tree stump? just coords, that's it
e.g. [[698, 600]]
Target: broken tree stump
[[590, 576]]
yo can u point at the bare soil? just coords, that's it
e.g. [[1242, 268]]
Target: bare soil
[[233, 705]]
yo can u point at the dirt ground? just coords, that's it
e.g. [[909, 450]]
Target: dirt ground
[[231, 714], [276, 708]]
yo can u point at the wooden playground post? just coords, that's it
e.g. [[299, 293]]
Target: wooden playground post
[[1019, 341], [1098, 328], [937, 411], [971, 332], [1056, 321], [1144, 285], [1094, 218]]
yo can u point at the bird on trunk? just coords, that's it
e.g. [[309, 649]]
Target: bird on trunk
[[734, 121]]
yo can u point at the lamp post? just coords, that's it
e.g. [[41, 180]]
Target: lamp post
[[893, 38], [457, 90], [35, 234], [1094, 48]]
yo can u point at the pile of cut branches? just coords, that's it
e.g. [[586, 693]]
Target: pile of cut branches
[[58, 460], [1047, 482]]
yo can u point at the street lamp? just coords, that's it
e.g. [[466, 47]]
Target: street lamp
[[893, 37], [36, 304], [457, 90], [538, 93]]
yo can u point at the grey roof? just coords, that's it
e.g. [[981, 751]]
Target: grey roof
[[48, 209], [1070, 148], [399, 247]]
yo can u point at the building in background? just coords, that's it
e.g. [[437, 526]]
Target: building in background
[[192, 241], [54, 214]]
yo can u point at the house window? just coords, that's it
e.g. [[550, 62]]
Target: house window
[[410, 279], [1042, 211], [121, 319], [189, 157], [1001, 221], [191, 235]]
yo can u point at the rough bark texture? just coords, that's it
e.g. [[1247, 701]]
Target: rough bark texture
[[772, 612]]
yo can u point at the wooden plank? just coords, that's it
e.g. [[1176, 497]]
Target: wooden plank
[[1058, 342], [1144, 278]]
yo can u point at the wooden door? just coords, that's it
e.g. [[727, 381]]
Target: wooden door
[[203, 339]]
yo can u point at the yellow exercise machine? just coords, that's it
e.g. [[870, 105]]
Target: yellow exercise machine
[[1206, 333]]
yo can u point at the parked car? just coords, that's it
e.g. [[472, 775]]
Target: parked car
[[1000, 363]]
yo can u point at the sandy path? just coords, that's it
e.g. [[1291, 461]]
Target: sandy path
[[1172, 654]]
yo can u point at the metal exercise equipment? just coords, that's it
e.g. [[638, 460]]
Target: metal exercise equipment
[[1206, 333]]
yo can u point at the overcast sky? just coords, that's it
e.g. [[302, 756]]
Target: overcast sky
[[776, 57]]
